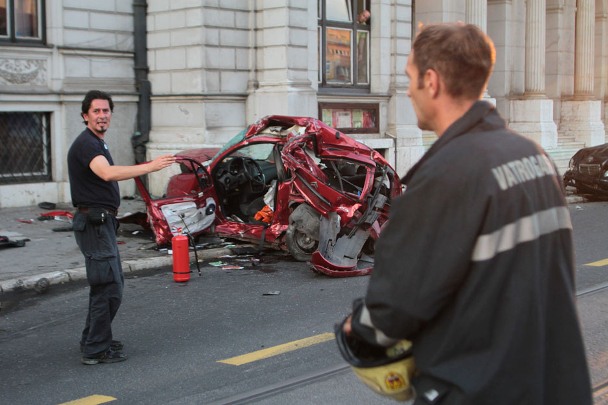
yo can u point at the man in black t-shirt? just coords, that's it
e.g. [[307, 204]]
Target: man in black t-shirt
[[94, 189]]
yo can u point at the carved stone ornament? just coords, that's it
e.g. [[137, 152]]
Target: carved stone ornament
[[23, 71]]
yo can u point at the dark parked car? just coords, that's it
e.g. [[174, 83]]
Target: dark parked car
[[588, 171], [289, 183]]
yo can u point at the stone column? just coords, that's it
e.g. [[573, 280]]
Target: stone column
[[435, 11], [535, 49], [601, 58], [198, 71], [532, 115], [285, 57], [402, 124], [584, 47], [477, 14], [581, 116]]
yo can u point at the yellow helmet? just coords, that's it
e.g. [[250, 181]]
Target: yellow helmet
[[387, 371]]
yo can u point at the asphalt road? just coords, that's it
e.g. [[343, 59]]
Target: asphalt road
[[176, 334], [261, 334]]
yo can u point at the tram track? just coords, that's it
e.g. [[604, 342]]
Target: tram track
[[291, 384], [592, 290], [600, 393]]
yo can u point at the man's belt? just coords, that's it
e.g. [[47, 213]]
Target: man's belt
[[110, 211]]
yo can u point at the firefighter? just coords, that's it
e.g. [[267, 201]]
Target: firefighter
[[475, 266]]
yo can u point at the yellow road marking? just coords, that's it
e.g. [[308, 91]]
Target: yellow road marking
[[276, 350], [91, 400], [599, 263]]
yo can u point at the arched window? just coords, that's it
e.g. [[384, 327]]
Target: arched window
[[344, 40]]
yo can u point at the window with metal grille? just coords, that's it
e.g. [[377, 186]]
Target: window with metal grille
[[25, 147], [22, 21]]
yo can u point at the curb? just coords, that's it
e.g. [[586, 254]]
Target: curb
[[41, 282]]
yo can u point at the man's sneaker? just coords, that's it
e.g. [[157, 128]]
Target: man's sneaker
[[110, 356], [116, 345]]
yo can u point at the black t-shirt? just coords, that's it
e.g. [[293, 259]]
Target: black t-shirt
[[88, 189]]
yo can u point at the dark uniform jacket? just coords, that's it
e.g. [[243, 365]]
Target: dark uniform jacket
[[475, 266]]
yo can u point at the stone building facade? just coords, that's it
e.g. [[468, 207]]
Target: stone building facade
[[70, 47], [190, 73]]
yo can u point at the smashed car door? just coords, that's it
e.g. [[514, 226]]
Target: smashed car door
[[188, 205]]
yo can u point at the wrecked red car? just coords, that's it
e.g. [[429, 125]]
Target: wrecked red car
[[289, 183]]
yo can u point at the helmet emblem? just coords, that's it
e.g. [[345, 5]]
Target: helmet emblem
[[394, 381]]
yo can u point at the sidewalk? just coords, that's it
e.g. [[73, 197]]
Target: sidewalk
[[50, 254]]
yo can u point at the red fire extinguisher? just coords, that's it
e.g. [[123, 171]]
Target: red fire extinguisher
[[181, 257]]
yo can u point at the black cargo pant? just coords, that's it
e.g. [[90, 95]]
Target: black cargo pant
[[104, 274]]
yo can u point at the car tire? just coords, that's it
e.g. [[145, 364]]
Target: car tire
[[302, 234]]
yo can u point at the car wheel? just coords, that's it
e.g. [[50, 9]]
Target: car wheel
[[302, 234], [300, 245]]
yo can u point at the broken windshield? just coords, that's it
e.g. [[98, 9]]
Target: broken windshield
[[235, 139]]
